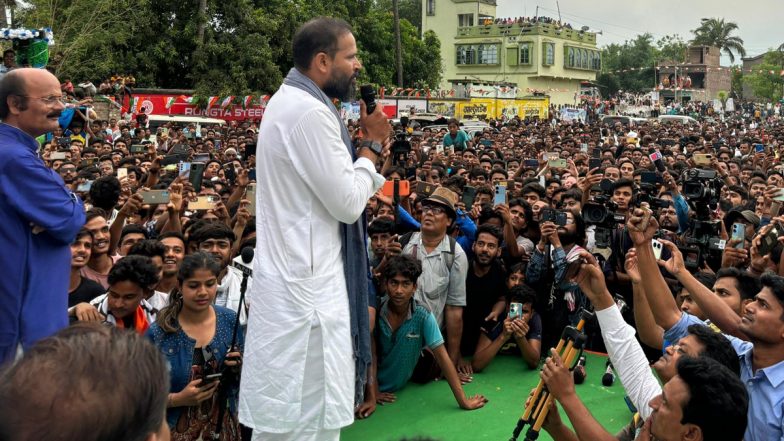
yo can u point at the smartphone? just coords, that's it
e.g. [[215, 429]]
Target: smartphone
[[403, 188], [155, 197], [594, 163], [702, 159], [250, 195], [759, 148], [469, 194], [770, 240], [584, 147], [596, 153], [208, 202], [779, 197], [196, 175], [64, 141], [252, 174], [657, 248], [87, 162], [84, 187], [173, 159], [439, 149], [201, 157], [230, 172], [738, 233], [57, 155], [424, 189], [647, 177], [138, 148], [184, 169], [556, 163], [531, 163], [122, 173], [554, 216], [211, 378], [500, 195], [515, 310]]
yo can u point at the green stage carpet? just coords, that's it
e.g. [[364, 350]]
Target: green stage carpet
[[431, 411]]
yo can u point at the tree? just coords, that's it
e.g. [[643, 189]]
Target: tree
[[765, 79], [629, 66], [398, 43], [671, 48], [716, 32]]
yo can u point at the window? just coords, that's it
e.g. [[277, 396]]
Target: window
[[431, 7], [579, 58], [488, 54], [525, 53], [477, 54], [548, 54], [465, 20]]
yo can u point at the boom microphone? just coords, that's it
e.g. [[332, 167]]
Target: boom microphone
[[368, 94]]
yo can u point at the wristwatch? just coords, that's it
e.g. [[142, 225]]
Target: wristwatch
[[375, 146]]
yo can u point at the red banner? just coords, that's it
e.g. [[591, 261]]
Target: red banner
[[156, 105]]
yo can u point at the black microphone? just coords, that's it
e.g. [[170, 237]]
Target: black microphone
[[579, 371], [368, 93], [609, 376], [245, 264]]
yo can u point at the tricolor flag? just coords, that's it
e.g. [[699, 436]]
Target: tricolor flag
[[187, 99], [227, 101], [134, 104], [212, 101], [170, 101], [247, 101]]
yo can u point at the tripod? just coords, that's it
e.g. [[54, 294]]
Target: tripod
[[571, 343]]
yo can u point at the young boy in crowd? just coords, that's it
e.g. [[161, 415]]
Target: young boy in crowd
[[404, 329], [520, 332]]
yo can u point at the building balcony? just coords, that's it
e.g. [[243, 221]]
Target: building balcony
[[522, 29]]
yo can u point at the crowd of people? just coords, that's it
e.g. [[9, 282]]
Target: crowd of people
[[526, 21], [478, 247]]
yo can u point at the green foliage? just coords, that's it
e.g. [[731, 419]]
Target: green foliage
[[716, 32], [766, 84], [736, 88], [637, 57], [246, 47]]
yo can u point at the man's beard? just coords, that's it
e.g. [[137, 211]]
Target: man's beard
[[667, 225], [340, 86]]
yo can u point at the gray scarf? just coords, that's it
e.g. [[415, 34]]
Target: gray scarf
[[355, 259]]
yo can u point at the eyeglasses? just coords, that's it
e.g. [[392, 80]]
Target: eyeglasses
[[67, 170], [435, 209], [48, 100]]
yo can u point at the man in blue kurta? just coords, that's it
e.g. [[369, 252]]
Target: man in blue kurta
[[39, 217]]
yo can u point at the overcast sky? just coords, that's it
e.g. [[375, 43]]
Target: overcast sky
[[760, 22]]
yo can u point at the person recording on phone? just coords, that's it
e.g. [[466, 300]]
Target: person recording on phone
[[311, 266], [39, 216]]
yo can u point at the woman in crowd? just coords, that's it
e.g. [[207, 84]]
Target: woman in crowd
[[196, 337]]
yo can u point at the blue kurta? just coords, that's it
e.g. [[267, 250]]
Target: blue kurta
[[35, 267]]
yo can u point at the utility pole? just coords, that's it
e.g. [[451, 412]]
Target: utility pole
[[398, 43]]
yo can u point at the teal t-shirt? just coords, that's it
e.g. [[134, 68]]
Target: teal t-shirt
[[398, 352], [459, 141]]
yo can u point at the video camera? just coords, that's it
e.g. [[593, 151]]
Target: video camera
[[400, 149], [601, 211], [702, 189], [648, 191]]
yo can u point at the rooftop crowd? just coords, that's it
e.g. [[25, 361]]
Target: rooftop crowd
[[497, 242]]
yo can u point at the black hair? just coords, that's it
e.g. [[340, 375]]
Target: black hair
[[105, 192], [623, 183], [717, 347], [149, 248], [477, 172], [748, 285], [486, 213], [534, 187], [776, 285], [93, 213], [491, 230], [318, 35], [381, 226], [403, 265], [167, 317], [135, 269], [132, 229], [212, 230], [528, 212], [706, 278], [718, 401], [12, 84], [522, 293], [518, 267], [82, 233]]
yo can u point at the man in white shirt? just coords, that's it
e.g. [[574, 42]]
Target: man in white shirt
[[298, 377]]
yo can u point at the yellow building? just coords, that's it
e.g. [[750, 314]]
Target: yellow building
[[532, 56]]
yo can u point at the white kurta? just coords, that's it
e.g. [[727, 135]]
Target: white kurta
[[307, 185]]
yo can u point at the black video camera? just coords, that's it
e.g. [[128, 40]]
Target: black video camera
[[400, 149]]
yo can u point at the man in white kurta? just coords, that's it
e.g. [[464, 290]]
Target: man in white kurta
[[298, 375]]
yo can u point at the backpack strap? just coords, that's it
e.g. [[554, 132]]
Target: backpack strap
[[449, 258]]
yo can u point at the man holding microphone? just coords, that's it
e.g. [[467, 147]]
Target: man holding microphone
[[305, 363]]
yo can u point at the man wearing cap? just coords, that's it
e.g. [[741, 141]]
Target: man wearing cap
[[442, 285], [745, 217]]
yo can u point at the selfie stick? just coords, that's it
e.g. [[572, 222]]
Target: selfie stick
[[571, 343]]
